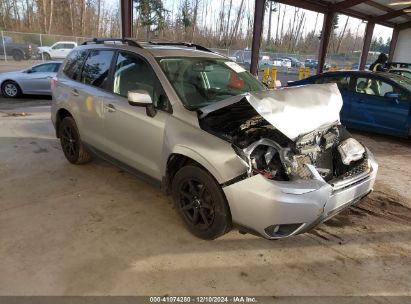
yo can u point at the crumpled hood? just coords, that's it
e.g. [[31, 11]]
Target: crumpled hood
[[293, 111]]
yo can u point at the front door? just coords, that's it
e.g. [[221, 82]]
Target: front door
[[373, 109], [133, 137]]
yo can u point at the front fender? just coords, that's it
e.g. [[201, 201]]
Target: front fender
[[190, 153], [214, 154]]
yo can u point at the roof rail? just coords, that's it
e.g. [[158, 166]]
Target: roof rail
[[130, 42], [186, 44]]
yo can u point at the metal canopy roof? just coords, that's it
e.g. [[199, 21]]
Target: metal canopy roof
[[376, 11]]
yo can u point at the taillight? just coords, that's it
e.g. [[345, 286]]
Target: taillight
[[53, 82]]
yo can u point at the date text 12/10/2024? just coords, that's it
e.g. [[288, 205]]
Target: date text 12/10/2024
[[203, 299]]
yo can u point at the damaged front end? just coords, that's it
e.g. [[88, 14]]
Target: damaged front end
[[315, 171]]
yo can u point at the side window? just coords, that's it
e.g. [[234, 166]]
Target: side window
[[363, 85], [385, 88], [134, 73], [57, 46], [95, 70], [73, 64], [343, 82], [69, 46], [371, 86], [56, 67], [48, 67]]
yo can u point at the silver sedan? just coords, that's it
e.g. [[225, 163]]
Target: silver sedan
[[34, 80]]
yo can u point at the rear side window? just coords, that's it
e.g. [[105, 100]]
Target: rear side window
[[96, 68], [68, 46], [342, 81], [74, 61]]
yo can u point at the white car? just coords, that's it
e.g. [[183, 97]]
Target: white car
[[59, 50]]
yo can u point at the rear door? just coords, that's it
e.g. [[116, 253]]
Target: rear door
[[90, 91], [373, 108], [82, 90]]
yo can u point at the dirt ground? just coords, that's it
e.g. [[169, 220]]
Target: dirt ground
[[96, 230]]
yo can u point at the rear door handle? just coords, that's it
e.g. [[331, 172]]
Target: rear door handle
[[74, 92], [110, 108]]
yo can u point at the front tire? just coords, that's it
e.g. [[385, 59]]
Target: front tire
[[10, 89], [73, 148], [201, 203], [17, 55], [46, 56]]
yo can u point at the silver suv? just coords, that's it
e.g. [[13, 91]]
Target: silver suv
[[273, 162]]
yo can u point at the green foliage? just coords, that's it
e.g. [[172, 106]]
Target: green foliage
[[186, 14], [151, 13], [378, 45]]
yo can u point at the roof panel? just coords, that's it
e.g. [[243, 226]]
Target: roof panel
[[366, 10]]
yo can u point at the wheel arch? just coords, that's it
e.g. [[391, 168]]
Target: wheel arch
[[13, 80], [45, 52], [182, 157], [60, 115], [17, 50]]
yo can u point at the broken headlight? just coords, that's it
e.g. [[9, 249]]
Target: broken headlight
[[264, 157], [350, 150]]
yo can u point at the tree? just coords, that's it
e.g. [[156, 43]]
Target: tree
[[186, 16], [150, 13]]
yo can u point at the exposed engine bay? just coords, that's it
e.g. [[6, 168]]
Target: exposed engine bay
[[329, 152]]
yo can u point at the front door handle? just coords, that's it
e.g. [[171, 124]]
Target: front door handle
[[110, 108], [74, 92]]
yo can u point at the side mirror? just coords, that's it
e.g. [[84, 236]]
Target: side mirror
[[394, 96], [141, 98], [29, 71]]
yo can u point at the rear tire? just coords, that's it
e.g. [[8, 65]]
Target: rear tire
[[10, 89], [201, 203], [73, 148]]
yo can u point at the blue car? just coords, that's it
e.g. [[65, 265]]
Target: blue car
[[374, 102]]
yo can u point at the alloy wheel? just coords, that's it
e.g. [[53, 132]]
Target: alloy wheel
[[196, 204], [69, 141], [11, 90]]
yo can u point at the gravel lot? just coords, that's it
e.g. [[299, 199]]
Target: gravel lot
[[96, 230]]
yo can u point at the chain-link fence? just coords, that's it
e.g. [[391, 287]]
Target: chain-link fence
[[288, 65], [22, 49]]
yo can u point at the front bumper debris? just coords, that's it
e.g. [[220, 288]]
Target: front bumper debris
[[277, 209]]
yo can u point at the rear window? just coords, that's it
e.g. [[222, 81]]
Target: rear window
[[96, 68], [74, 62]]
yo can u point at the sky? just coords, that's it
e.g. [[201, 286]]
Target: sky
[[379, 31]]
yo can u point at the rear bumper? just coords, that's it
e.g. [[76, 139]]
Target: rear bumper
[[280, 209]]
